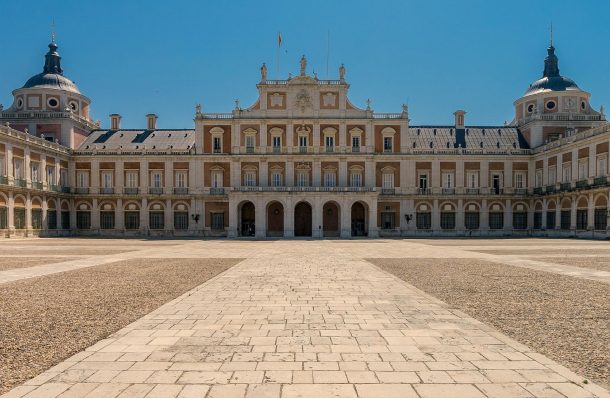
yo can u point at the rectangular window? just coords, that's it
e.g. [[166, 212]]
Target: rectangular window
[[180, 179], [356, 142], [250, 142], [218, 221], [36, 218], [19, 217], [600, 219], [51, 175], [388, 181], [387, 220], [538, 220], [538, 178], [132, 220], [583, 169], [566, 219], [356, 180], [250, 178], [35, 171], [2, 166], [329, 142], [107, 179], [581, 219], [447, 220], [387, 144], [217, 144], [217, 177], [423, 181], [82, 179], [181, 220], [107, 219], [520, 220], [18, 168], [276, 142], [473, 180], [447, 180], [552, 175], [519, 180], [303, 141], [303, 179], [276, 179], [601, 166], [51, 219], [131, 179], [471, 220], [155, 179], [156, 220], [423, 220], [330, 179], [496, 220], [550, 219], [83, 219], [567, 173]]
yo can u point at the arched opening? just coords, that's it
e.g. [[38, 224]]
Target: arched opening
[[275, 219], [600, 215], [331, 225], [3, 213], [565, 221], [551, 215], [358, 218], [302, 219], [582, 214], [247, 227], [65, 215], [36, 214], [472, 217]]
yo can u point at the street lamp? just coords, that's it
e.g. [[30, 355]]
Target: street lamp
[[408, 217]]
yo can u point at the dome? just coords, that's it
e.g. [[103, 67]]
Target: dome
[[51, 80], [52, 75], [551, 79]]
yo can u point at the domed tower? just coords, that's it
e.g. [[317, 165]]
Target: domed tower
[[554, 106], [50, 105]]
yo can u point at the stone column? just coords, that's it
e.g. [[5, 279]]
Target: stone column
[[435, 178], [10, 167], [373, 228], [119, 216], [345, 221], [368, 137], [558, 215], [144, 217], [403, 176], [95, 177], [119, 177], [290, 137], [592, 161], [459, 174], [484, 216], [95, 215], [43, 172], [508, 216], [508, 174], [27, 165], [316, 173], [342, 172], [259, 218], [316, 218], [459, 216], [10, 216], [575, 164], [144, 177], [573, 214], [233, 215], [436, 216], [316, 137], [28, 212], [545, 172], [169, 177], [263, 137], [342, 137], [591, 213], [369, 173], [410, 174], [263, 173], [289, 173], [289, 218], [484, 174]]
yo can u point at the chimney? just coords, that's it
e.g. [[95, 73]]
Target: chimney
[[459, 119], [151, 119], [115, 121]]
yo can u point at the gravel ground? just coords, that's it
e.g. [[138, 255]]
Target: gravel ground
[[599, 263], [25, 262], [565, 318], [537, 251], [47, 319], [87, 251]]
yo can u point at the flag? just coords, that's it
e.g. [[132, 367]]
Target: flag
[[279, 39]]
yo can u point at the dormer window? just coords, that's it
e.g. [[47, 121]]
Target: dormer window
[[550, 105], [530, 108]]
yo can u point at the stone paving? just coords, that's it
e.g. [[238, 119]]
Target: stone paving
[[308, 319]]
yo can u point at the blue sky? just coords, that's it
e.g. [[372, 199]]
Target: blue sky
[[137, 57]]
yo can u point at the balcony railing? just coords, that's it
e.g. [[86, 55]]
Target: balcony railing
[[81, 190], [249, 149], [36, 185], [472, 191], [217, 191], [423, 191], [217, 150], [106, 191], [582, 184], [496, 191], [566, 186], [329, 149], [550, 188], [4, 180], [277, 149], [65, 189], [54, 188], [155, 190], [181, 191], [538, 191], [131, 191], [388, 191], [448, 191], [302, 149], [600, 181], [20, 183], [520, 191], [355, 149]]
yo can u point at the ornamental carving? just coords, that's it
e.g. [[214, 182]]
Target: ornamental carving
[[303, 100]]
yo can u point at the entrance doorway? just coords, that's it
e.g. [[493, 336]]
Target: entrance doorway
[[359, 220], [302, 219], [330, 220], [247, 219], [275, 219]]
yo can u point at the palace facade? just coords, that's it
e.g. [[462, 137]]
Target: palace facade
[[303, 161]]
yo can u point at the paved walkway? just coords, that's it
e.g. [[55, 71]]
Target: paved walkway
[[309, 320]]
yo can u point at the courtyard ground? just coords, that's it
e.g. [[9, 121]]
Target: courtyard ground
[[300, 318]]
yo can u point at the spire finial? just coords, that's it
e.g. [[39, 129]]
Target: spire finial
[[551, 34], [53, 31]]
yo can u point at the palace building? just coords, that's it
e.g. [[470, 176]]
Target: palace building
[[303, 161]]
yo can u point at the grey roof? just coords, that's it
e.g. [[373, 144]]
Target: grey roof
[[551, 79], [136, 140], [52, 75], [476, 137]]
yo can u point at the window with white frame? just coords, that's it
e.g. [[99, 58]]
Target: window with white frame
[[250, 140], [63, 177], [602, 164], [302, 141], [217, 144], [539, 178], [448, 180], [35, 171], [217, 176], [2, 165], [250, 178], [276, 141], [356, 179], [552, 175], [519, 180], [131, 179], [583, 169], [180, 180], [423, 181], [329, 142], [387, 180], [388, 144], [276, 178], [356, 142], [51, 175], [303, 179], [156, 179], [18, 168], [472, 180], [330, 178], [107, 179], [82, 179], [566, 172]]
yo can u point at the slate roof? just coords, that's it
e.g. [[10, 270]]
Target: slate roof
[[487, 137], [133, 140]]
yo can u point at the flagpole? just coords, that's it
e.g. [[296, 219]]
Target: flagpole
[[279, 44]]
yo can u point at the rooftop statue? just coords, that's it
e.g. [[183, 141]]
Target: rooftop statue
[[303, 65], [342, 72], [264, 72]]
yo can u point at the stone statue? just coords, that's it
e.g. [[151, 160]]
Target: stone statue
[[405, 109], [198, 109], [368, 104], [1, 107], [342, 72], [602, 110], [303, 65], [264, 72]]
